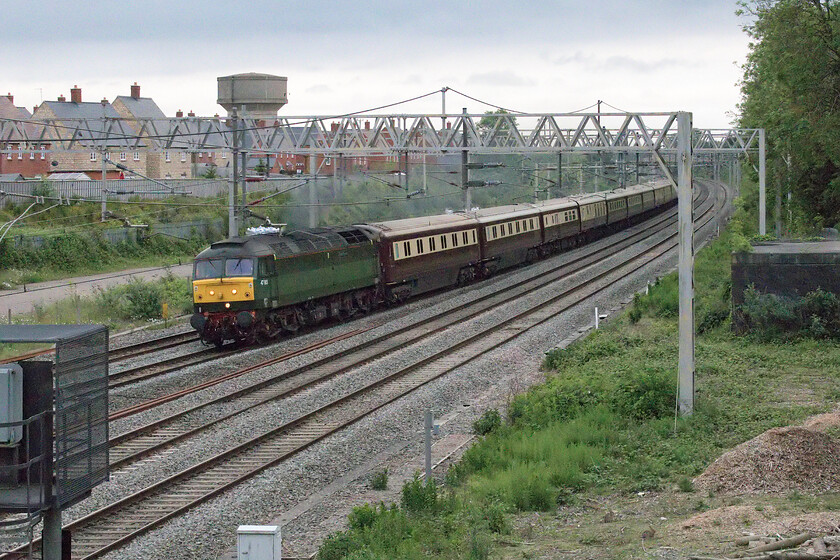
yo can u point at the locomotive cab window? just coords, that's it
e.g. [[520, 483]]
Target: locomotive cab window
[[239, 267], [207, 268]]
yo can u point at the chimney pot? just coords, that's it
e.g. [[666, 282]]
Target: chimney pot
[[10, 97], [135, 91], [179, 113], [76, 94], [62, 99], [190, 114], [104, 101]]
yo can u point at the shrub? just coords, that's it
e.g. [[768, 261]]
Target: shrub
[[337, 546], [144, 299], [644, 394], [419, 497], [489, 421], [768, 316], [362, 517], [379, 480]]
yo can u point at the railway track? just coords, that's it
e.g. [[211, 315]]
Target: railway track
[[134, 515], [124, 352], [124, 520], [164, 432]]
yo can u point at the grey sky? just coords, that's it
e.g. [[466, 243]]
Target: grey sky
[[342, 56]]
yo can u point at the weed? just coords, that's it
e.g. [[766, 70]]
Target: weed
[[489, 421], [379, 480], [685, 484]]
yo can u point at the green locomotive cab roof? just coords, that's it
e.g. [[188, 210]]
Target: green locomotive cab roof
[[297, 242]]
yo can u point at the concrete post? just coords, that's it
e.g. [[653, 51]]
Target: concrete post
[[686, 264], [428, 446]]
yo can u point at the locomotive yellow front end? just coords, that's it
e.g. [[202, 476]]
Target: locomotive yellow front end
[[223, 291]]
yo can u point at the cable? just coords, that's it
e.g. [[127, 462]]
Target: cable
[[614, 107], [488, 104]]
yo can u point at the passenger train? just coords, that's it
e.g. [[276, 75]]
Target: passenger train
[[257, 286]]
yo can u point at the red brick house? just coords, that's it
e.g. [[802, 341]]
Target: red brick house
[[23, 159]]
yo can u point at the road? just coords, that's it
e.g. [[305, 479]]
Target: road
[[42, 293]]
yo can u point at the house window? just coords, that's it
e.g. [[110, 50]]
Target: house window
[[211, 155], [9, 155], [224, 155], [93, 156], [136, 156], [20, 152], [200, 155], [31, 155], [43, 153], [122, 156], [183, 157], [167, 156]]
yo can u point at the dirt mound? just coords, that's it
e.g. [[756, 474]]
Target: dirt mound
[[823, 422], [729, 516], [779, 460]]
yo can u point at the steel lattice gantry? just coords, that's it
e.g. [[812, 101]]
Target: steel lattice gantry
[[377, 134], [657, 134]]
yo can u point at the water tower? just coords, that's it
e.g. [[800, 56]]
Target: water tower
[[261, 95]]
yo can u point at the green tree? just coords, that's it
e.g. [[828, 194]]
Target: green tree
[[498, 121], [791, 87]]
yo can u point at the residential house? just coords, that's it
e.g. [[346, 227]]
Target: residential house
[[29, 161], [91, 113], [168, 164]]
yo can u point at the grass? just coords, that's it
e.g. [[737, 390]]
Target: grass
[[137, 302], [603, 429]]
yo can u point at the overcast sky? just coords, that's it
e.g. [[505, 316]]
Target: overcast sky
[[533, 55]]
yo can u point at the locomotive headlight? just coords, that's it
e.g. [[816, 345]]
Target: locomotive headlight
[[212, 293], [227, 306], [233, 291]]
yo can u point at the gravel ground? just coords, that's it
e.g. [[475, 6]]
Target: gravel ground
[[393, 433]]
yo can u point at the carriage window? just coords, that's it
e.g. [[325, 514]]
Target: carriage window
[[419, 246], [517, 227], [464, 237], [510, 228], [396, 251], [473, 236], [431, 244], [494, 232], [454, 239], [443, 241], [407, 248]]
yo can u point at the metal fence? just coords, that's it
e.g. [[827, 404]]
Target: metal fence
[[125, 189], [207, 229]]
